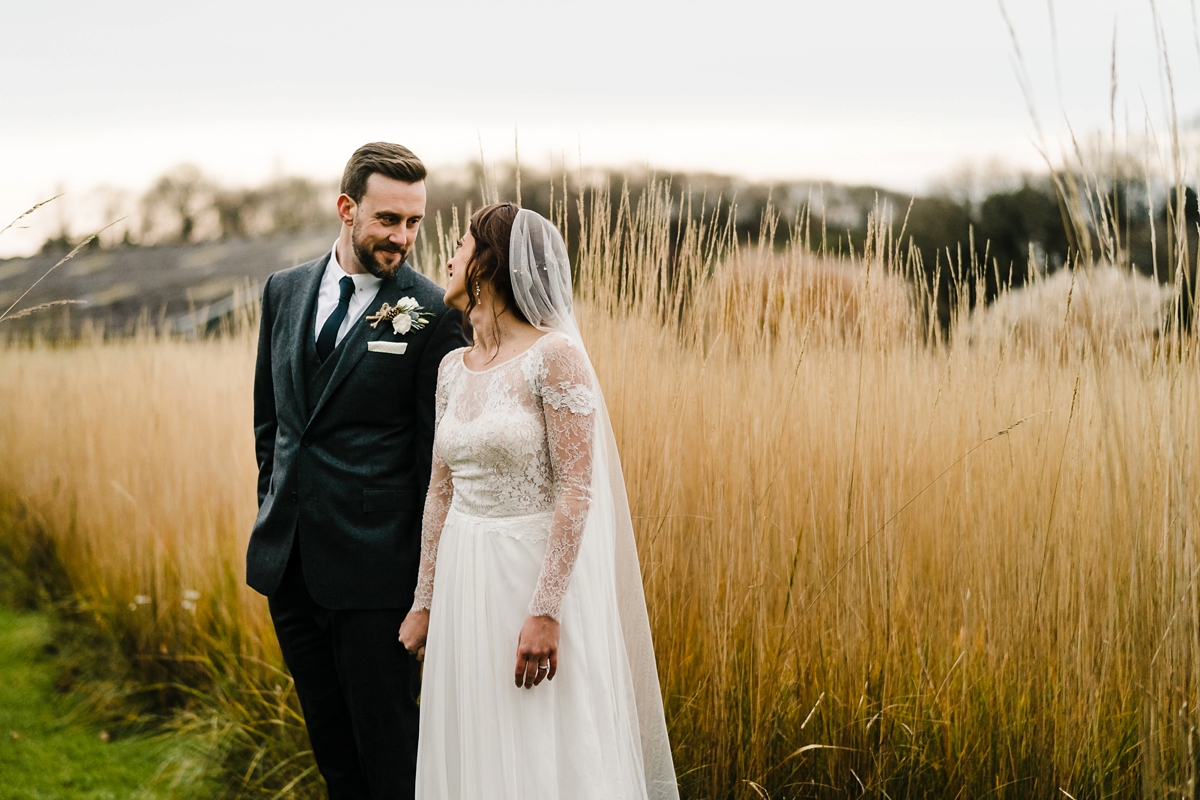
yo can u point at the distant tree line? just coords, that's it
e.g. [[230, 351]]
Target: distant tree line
[[999, 243], [184, 205], [971, 248]]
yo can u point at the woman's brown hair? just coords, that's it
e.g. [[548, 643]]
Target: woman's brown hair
[[491, 227]]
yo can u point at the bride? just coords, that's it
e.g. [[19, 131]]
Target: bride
[[539, 678]]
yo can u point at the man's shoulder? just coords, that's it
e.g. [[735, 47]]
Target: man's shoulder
[[428, 294], [286, 280]]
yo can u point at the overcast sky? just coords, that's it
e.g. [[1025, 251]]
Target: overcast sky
[[891, 93]]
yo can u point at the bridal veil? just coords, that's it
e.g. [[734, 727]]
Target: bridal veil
[[541, 281]]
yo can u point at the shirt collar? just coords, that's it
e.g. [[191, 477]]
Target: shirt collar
[[362, 283]]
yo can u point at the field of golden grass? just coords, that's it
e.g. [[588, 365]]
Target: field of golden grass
[[878, 561]]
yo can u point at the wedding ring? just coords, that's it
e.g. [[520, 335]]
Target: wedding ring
[[543, 666]]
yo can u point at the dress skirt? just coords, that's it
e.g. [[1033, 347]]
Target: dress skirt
[[482, 737]]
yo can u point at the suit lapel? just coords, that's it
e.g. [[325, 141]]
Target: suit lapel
[[354, 346], [303, 308]]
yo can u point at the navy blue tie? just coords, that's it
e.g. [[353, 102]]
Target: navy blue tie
[[327, 340]]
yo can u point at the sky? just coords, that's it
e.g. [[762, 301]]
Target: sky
[[894, 94]]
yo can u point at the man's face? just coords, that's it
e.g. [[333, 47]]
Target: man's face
[[385, 223]]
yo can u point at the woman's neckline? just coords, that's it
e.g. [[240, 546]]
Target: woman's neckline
[[510, 360]]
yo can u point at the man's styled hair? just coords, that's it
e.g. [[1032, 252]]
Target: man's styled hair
[[390, 160]]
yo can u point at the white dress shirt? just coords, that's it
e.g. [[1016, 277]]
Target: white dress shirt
[[366, 286]]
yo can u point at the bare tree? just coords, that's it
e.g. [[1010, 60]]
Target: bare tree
[[238, 211], [173, 206], [295, 204]]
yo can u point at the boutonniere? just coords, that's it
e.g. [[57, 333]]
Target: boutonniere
[[407, 315]]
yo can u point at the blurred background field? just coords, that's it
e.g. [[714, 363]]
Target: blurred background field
[[895, 542], [915, 471]]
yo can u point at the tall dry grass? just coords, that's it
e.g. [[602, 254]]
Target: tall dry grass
[[877, 561]]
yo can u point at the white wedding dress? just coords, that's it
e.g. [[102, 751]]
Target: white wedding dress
[[508, 533]]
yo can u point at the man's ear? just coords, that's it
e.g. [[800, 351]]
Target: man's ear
[[346, 208]]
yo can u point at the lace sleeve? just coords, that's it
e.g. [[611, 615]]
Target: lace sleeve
[[569, 404], [437, 501]]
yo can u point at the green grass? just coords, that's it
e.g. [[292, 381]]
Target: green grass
[[51, 746]]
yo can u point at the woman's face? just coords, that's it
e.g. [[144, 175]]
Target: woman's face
[[456, 288]]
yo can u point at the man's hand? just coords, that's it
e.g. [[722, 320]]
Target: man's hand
[[537, 651], [413, 632]]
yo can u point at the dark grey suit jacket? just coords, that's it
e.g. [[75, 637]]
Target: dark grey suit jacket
[[346, 470]]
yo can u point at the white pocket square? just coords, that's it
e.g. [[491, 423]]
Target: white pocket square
[[395, 348]]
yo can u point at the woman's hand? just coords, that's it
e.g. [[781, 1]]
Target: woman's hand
[[537, 651], [413, 631]]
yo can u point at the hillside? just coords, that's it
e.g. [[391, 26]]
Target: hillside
[[181, 286]]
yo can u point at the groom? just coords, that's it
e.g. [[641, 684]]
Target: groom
[[343, 424]]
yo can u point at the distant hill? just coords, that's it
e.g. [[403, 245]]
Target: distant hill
[[184, 287]]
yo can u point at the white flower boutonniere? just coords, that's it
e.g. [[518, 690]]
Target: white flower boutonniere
[[407, 315]]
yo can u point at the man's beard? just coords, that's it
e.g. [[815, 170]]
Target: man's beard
[[367, 259]]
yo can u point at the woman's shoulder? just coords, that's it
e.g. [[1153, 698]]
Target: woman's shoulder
[[547, 350], [557, 345], [560, 365], [452, 361]]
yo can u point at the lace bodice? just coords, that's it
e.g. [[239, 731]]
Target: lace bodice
[[515, 440]]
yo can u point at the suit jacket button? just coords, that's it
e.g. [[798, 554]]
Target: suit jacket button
[[295, 497], [306, 442]]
